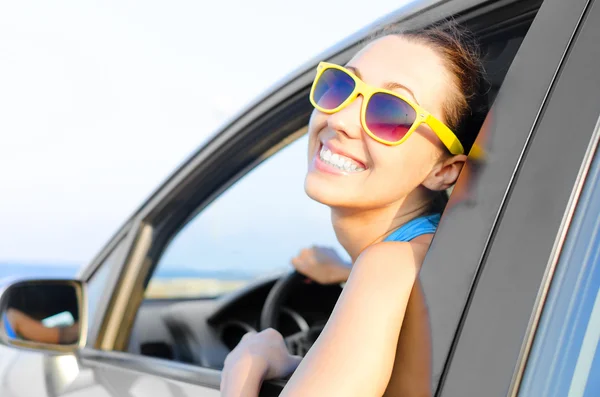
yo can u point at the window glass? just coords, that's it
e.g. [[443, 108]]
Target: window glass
[[252, 230], [96, 286], [565, 359]]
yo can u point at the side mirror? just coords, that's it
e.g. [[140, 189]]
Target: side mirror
[[42, 314]]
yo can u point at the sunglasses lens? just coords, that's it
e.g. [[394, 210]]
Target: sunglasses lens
[[332, 89], [389, 117]]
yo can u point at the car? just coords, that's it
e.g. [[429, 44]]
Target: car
[[510, 280]]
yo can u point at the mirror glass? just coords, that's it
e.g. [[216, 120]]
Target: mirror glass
[[43, 312]]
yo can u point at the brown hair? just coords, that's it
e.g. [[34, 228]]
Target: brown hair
[[465, 110]]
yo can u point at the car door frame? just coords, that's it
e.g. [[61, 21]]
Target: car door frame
[[273, 120], [491, 349]]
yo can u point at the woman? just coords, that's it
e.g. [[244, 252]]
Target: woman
[[388, 136]]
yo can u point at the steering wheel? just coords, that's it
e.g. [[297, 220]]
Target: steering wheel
[[298, 343]]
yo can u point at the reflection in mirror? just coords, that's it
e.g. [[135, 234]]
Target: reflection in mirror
[[43, 312]]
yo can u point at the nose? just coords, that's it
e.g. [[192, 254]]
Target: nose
[[347, 120]]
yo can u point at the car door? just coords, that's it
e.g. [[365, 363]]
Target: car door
[[30, 372], [533, 248]]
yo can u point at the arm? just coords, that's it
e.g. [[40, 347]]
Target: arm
[[33, 330], [258, 356], [354, 354], [247, 375], [412, 371]]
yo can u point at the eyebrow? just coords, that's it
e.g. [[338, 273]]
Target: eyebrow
[[390, 85]]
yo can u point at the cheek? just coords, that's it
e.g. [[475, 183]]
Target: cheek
[[316, 122], [388, 159], [407, 164]]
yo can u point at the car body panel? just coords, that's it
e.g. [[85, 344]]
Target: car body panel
[[29, 374], [506, 299]]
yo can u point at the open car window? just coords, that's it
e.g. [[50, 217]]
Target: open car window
[[251, 230], [258, 224]]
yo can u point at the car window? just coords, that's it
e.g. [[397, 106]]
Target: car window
[[251, 230], [565, 358]]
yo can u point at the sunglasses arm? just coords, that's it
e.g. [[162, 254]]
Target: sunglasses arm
[[445, 134]]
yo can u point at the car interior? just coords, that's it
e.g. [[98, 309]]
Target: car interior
[[203, 331]]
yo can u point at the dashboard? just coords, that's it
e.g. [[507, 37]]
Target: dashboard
[[204, 331]]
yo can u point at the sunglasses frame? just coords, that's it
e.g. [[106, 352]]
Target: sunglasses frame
[[445, 134]]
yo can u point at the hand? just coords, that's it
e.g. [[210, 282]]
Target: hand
[[258, 356], [321, 264], [68, 335]]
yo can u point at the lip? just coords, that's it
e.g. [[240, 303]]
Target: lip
[[335, 150]]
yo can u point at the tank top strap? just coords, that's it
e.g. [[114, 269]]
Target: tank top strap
[[417, 227]]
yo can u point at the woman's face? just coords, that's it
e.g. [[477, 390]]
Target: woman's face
[[385, 175]]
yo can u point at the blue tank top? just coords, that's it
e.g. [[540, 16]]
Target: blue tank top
[[415, 228]]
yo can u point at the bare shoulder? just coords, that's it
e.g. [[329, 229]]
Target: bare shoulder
[[386, 260], [396, 255]]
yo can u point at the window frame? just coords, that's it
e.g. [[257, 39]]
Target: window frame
[[563, 269], [117, 245]]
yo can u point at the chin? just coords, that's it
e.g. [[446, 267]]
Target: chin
[[327, 192], [320, 190], [347, 196]]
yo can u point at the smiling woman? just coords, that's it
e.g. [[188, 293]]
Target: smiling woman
[[378, 156]]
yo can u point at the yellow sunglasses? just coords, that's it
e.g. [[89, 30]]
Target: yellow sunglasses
[[387, 117]]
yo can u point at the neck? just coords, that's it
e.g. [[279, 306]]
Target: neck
[[358, 229]]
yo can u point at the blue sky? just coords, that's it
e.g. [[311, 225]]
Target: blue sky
[[99, 101]]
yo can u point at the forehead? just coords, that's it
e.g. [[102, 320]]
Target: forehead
[[408, 62]]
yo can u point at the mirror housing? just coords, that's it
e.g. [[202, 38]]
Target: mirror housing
[[43, 314]]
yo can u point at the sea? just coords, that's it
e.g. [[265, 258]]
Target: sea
[[41, 271]]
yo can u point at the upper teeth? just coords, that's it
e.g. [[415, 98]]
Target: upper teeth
[[342, 162]]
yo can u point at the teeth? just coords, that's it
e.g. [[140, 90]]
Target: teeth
[[341, 162]]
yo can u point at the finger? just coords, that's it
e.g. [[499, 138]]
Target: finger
[[272, 333], [309, 257], [248, 335], [223, 380], [301, 266]]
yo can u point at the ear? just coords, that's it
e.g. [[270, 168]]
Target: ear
[[445, 173]]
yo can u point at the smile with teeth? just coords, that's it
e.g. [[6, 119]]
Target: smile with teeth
[[341, 162]]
